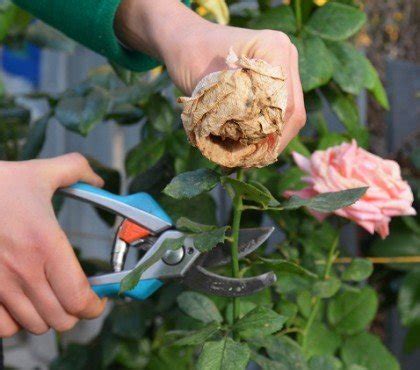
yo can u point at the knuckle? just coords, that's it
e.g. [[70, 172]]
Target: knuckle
[[80, 302], [65, 325], [8, 331], [290, 107], [38, 329], [78, 159], [276, 37]]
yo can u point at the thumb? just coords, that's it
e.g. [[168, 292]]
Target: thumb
[[70, 168]]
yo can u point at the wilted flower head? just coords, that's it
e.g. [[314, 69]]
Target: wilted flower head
[[235, 117], [348, 166]]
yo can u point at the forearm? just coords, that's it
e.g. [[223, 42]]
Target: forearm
[[93, 23], [157, 27]]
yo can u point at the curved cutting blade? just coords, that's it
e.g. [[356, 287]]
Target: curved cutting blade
[[198, 278], [249, 241]]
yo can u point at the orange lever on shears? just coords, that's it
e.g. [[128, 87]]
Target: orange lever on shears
[[131, 232]]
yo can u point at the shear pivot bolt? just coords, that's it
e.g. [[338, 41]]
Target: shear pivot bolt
[[173, 257]]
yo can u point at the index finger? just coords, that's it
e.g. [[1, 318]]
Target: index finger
[[69, 283]]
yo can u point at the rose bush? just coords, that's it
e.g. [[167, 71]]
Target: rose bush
[[319, 313]]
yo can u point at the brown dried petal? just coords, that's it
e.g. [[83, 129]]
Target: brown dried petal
[[236, 117]]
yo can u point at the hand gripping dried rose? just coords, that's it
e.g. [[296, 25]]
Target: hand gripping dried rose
[[235, 117]]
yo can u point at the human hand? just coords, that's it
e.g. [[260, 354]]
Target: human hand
[[192, 47], [42, 283]]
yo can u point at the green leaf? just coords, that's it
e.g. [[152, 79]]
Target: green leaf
[[331, 139], [376, 87], [208, 240], [36, 138], [349, 67], [125, 114], [261, 321], [130, 321], [313, 72], [358, 270], [402, 241], [280, 18], [346, 110], [304, 302], [313, 103], [174, 358], [186, 224], [291, 283], [201, 208], [411, 222], [335, 21], [296, 145], [273, 202], [283, 266], [283, 350], [326, 288], [134, 355], [44, 36], [144, 156], [81, 114], [75, 357], [350, 312], [108, 346], [125, 75], [412, 338], [325, 362], [199, 307], [265, 363], [321, 341], [248, 191], [287, 309], [225, 354], [205, 237], [409, 298], [290, 179], [326, 202], [199, 336], [193, 183], [160, 113], [7, 13], [367, 350], [132, 279]]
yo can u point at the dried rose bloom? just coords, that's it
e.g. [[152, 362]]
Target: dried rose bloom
[[236, 117]]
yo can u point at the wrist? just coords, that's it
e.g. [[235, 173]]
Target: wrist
[[158, 28]]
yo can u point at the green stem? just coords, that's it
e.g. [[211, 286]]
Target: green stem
[[298, 13], [330, 259], [236, 224]]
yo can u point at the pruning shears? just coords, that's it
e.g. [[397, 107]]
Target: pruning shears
[[146, 225]]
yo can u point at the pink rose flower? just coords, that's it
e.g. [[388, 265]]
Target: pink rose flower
[[347, 166]]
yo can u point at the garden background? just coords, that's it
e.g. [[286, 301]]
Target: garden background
[[35, 59]]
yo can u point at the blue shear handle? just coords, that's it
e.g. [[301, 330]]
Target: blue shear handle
[[143, 290], [142, 201]]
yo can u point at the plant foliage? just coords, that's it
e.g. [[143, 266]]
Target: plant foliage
[[317, 315]]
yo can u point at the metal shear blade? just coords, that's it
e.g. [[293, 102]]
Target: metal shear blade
[[199, 278]]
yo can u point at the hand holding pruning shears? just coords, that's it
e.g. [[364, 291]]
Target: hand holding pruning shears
[[44, 284]]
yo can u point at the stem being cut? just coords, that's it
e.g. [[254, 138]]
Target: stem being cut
[[236, 224]]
